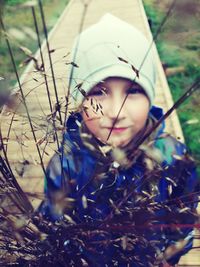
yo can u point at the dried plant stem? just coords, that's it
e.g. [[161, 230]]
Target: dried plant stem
[[74, 57], [116, 119], [182, 198], [24, 203], [41, 55], [195, 86], [50, 60], [18, 197], [155, 36], [69, 87], [148, 51], [45, 77], [23, 97]]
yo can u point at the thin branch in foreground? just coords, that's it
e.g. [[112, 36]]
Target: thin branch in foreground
[[69, 88], [166, 17], [41, 56], [45, 77], [49, 55], [23, 97], [195, 86]]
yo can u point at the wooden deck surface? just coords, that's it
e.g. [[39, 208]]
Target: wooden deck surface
[[21, 148]]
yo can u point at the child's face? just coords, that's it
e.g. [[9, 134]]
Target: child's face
[[109, 95]]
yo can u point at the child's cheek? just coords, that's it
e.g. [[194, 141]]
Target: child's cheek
[[91, 117], [92, 108], [89, 114]]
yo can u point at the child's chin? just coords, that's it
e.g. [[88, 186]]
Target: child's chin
[[118, 143]]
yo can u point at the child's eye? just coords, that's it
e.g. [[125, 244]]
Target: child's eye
[[95, 93], [135, 91], [98, 92]]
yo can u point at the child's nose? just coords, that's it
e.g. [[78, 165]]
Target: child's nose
[[115, 108]]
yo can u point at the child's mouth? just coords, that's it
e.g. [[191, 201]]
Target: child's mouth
[[117, 130]]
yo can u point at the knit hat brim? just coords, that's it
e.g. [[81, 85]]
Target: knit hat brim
[[121, 71]]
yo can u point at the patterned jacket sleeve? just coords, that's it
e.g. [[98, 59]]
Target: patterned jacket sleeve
[[55, 188], [182, 172]]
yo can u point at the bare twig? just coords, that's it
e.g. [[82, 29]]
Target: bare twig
[[49, 54], [23, 97]]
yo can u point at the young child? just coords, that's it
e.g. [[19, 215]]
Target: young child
[[112, 83]]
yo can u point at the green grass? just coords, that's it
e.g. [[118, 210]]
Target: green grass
[[177, 49], [19, 20], [14, 2]]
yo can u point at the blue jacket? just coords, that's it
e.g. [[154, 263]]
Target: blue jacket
[[80, 164]]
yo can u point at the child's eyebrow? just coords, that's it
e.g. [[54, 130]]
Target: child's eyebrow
[[135, 85], [99, 87]]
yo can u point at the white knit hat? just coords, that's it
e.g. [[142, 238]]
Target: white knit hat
[[111, 48]]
